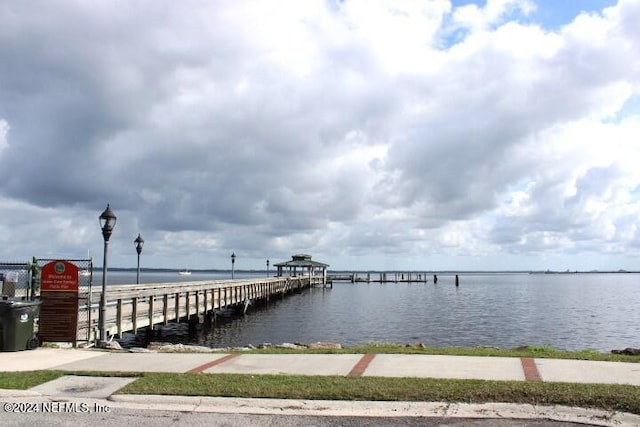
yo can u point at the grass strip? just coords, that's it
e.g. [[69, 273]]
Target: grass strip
[[603, 396], [612, 397], [26, 379]]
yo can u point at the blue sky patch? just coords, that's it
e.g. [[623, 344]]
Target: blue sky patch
[[552, 14]]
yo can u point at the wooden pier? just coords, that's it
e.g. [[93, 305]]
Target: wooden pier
[[132, 307], [378, 277]]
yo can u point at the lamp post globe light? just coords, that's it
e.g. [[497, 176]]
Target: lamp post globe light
[[107, 223], [139, 242], [267, 268], [233, 263]]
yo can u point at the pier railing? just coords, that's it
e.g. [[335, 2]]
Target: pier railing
[[131, 307]]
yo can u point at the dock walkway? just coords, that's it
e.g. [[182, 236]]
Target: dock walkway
[[378, 277], [132, 307]]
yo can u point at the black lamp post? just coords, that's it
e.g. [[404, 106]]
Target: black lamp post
[[233, 263], [267, 268], [107, 223], [139, 242]]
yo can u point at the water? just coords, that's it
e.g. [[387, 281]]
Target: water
[[129, 277], [566, 311]]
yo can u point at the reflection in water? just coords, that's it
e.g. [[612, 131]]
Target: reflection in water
[[566, 311]]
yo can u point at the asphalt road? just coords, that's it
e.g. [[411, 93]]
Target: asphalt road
[[153, 418]]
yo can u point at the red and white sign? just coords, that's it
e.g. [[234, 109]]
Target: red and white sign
[[61, 276]]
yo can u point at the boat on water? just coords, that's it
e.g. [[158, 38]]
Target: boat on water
[[184, 272]]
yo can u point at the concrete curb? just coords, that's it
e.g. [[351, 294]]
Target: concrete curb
[[328, 408], [376, 409]]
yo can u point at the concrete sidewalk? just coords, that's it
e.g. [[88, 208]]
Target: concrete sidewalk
[[383, 365]]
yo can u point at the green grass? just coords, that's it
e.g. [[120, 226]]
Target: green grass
[[27, 379], [609, 397]]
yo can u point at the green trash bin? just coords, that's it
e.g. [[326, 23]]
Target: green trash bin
[[16, 324]]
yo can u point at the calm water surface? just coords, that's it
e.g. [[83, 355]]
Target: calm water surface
[[566, 311]]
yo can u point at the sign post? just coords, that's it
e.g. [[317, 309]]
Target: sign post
[[59, 309]]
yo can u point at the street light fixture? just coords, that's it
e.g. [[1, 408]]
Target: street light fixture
[[139, 242], [107, 221], [267, 268], [233, 263]]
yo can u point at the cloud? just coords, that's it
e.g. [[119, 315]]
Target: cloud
[[4, 130], [350, 130], [493, 13]]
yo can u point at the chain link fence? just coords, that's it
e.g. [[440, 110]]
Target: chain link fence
[[16, 280]]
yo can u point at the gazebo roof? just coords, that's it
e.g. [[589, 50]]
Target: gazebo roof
[[301, 260]]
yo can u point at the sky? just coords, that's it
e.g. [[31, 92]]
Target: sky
[[372, 135]]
